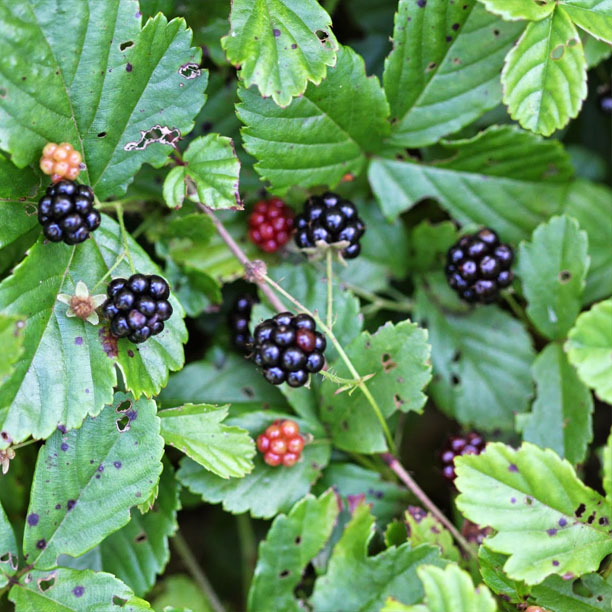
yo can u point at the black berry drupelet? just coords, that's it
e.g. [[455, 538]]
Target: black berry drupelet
[[288, 349], [137, 307], [239, 321], [330, 219], [470, 444], [66, 212], [478, 266]]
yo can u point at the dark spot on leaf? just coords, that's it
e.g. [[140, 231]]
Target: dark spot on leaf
[[109, 342], [141, 537], [119, 601], [456, 356], [591, 518], [551, 532], [64, 446], [455, 380], [565, 276], [422, 3], [70, 504], [387, 363], [562, 522], [3, 92], [449, 38], [455, 26], [33, 519], [604, 520], [298, 540], [117, 464], [78, 340], [513, 500], [78, 591], [430, 66], [101, 134], [248, 391], [129, 67], [41, 544], [101, 467], [284, 573], [496, 32], [512, 468], [294, 46], [398, 401], [126, 45], [138, 494], [580, 510], [5, 437], [161, 134], [528, 500], [276, 32], [344, 425], [555, 563], [58, 506]]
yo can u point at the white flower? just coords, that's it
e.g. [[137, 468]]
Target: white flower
[[81, 304]]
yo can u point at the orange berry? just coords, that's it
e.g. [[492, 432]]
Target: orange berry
[[49, 149], [295, 445], [61, 168], [60, 154], [273, 431], [289, 428], [73, 173], [263, 443], [46, 165], [272, 459], [290, 459], [278, 446], [74, 159]]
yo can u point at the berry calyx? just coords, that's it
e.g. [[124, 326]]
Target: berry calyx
[[270, 224], [281, 442], [137, 307], [478, 266], [239, 322], [60, 161], [470, 444]]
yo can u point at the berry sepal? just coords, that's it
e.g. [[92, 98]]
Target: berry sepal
[[319, 251], [81, 304]]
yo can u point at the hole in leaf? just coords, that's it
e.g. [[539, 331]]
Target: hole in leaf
[[141, 537], [123, 424], [565, 276], [124, 406], [284, 573], [456, 356], [572, 42], [190, 71], [580, 589], [45, 584], [126, 45], [119, 601], [398, 401], [298, 540], [387, 362], [455, 380]]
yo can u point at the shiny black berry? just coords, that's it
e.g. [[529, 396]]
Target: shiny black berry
[[239, 323], [470, 444]]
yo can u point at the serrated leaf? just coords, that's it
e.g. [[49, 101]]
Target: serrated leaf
[[67, 369], [68, 589], [283, 486], [503, 177], [360, 583], [553, 267], [607, 468], [98, 473], [280, 45], [424, 528], [443, 72], [589, 349], [137, 73], [11, 340], [589, 593], [594, 16], [9, 556], [398, 356], [520, 9], [197, 431], [292, 542], [490, 565], [542, 513], [561, 414], [544, 77], [346, 117]]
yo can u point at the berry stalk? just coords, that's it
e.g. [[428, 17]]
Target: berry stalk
[[330, 289], [124, 237]]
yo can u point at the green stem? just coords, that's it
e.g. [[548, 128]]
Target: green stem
[[124, 237], [26, 443], [120, 258], [380, 303], [248, 551], [516, 308], [330, 289]]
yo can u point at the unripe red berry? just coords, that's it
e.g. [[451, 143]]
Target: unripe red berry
[[272, 459], [270, 224], [278, 446], [295, 445], [290, 429], [290, 459], [306, 340], [263, 443], [273, 431]]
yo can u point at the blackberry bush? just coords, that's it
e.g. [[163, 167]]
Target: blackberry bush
[[239, 321]]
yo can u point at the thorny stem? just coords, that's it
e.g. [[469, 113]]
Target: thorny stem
[[248, 550], [124, 237], [403, 475], [330, 289], [193, 567]]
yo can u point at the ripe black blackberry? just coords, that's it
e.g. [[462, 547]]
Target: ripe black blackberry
[[330, 219], [288, 348], [239, 321], [66, 212], [478, 266], [137, 307], [470, 444]]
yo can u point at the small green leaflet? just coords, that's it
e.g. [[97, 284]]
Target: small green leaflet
[[589, 349], [541, 512], [520, 9], [290, 544], [280, 45], [424, 528], [197, 431], [9, 557], [594, 16], [544, 78], [99, 472]]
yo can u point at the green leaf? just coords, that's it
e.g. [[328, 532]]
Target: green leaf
[[197, 431], [443, 72], [360, 583], [590, 593], [430, 243], [490, 565], [607, 467], [503, 177], [67, 369], [98, 473], [11, 340], [336, 141], [283, 486], [595, 50], [542, 513], [68, 589], [292, 542], [424, 528], [553, 267], [520, 9], [9, 556], [179, 590], [280, 45], [174, 187], [398, 356], [544, 78], [589, 349], [104, 89], [561, 414], [594, 16]]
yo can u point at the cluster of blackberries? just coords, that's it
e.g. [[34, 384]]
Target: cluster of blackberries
[[281, 442], [471, 444], [66, 212], [239, 321], [270, 224], [137, 307], [288, 348], [330, 219], [478, 266]]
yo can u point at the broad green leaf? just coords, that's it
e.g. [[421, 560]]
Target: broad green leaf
[[197, 431], [553, 267], [607, 467], [399, 358], [520, 9], [179, 590], [561, 414], [67, 368], [443, 72], [98, 473], [490, 565], [119, 94], [280, 45], [11, 340], [360, 583], [9, 556], [594, 16], [589, 593], [540, 510], [591, 205], [503, 177], [589, 349], [292, 542], [424, 528], [346, 118], [283, 486], [68, 589], [544, 77]]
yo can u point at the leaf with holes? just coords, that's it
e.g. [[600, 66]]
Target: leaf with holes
[[503, 177], [98, 473], [589, 349], [105, 87], [68, 589], [443, 72], [292, 542], [283, 486], [9, 556], [541, 512], [589, 593], [67, 368], [280, 45], [346, 117], [544, 78], [520, 9], [553, 267], [594, 16], [197, 431]]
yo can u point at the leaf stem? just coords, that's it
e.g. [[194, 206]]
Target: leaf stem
[[248, 551], [379, 303], [26, 443], [124, 237], [119, 259], [330, 289], [196, 572]]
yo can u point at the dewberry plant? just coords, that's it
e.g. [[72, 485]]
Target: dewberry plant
[[305, 305]]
